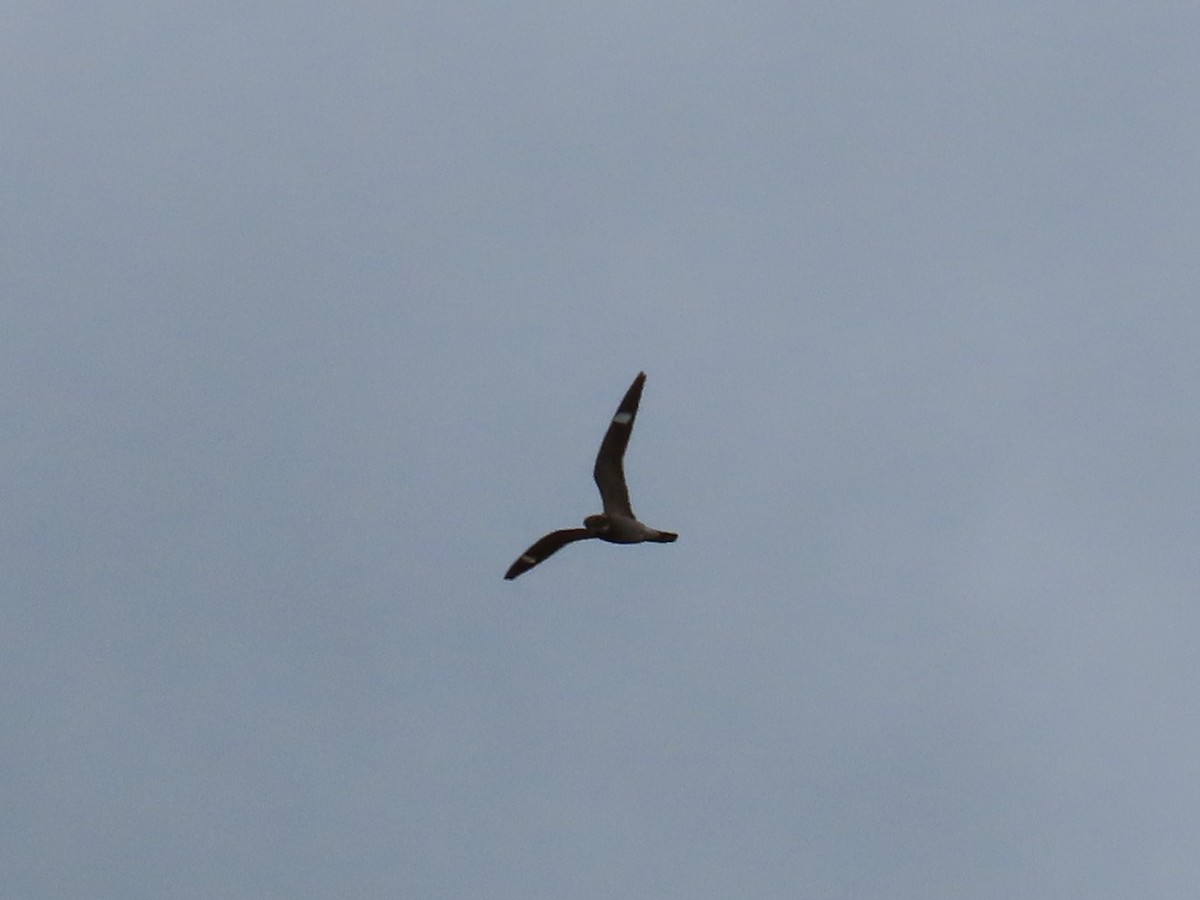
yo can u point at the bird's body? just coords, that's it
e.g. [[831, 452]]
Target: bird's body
[[617, 524]]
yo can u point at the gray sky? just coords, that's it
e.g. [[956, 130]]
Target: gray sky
[[313, 318]]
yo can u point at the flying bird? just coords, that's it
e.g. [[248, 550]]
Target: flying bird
[[617, 524]]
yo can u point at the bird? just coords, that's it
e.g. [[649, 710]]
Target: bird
[[617, 524]]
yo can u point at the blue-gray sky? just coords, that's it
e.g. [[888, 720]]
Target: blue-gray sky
[[313, 317]]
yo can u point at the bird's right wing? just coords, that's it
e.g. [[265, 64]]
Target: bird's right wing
[[610, 469], [545, 547]]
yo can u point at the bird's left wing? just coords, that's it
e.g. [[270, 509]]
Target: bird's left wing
[[545, 547]]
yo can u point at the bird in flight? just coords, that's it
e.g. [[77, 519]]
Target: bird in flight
[[617, 524]]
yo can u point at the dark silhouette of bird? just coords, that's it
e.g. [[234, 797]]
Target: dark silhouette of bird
[[617, 524]]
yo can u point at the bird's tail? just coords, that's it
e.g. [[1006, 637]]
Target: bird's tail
[[664, 537]]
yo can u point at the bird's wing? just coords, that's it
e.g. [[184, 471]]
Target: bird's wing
[[543, 548], [609, 472]]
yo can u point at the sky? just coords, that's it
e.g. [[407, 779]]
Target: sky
[[314, 316]]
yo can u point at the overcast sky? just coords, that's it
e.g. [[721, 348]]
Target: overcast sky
[[312, 317]]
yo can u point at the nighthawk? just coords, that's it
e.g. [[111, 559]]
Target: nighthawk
[[617, 524]]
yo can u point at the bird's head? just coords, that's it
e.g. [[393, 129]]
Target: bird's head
[[597, 523]]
